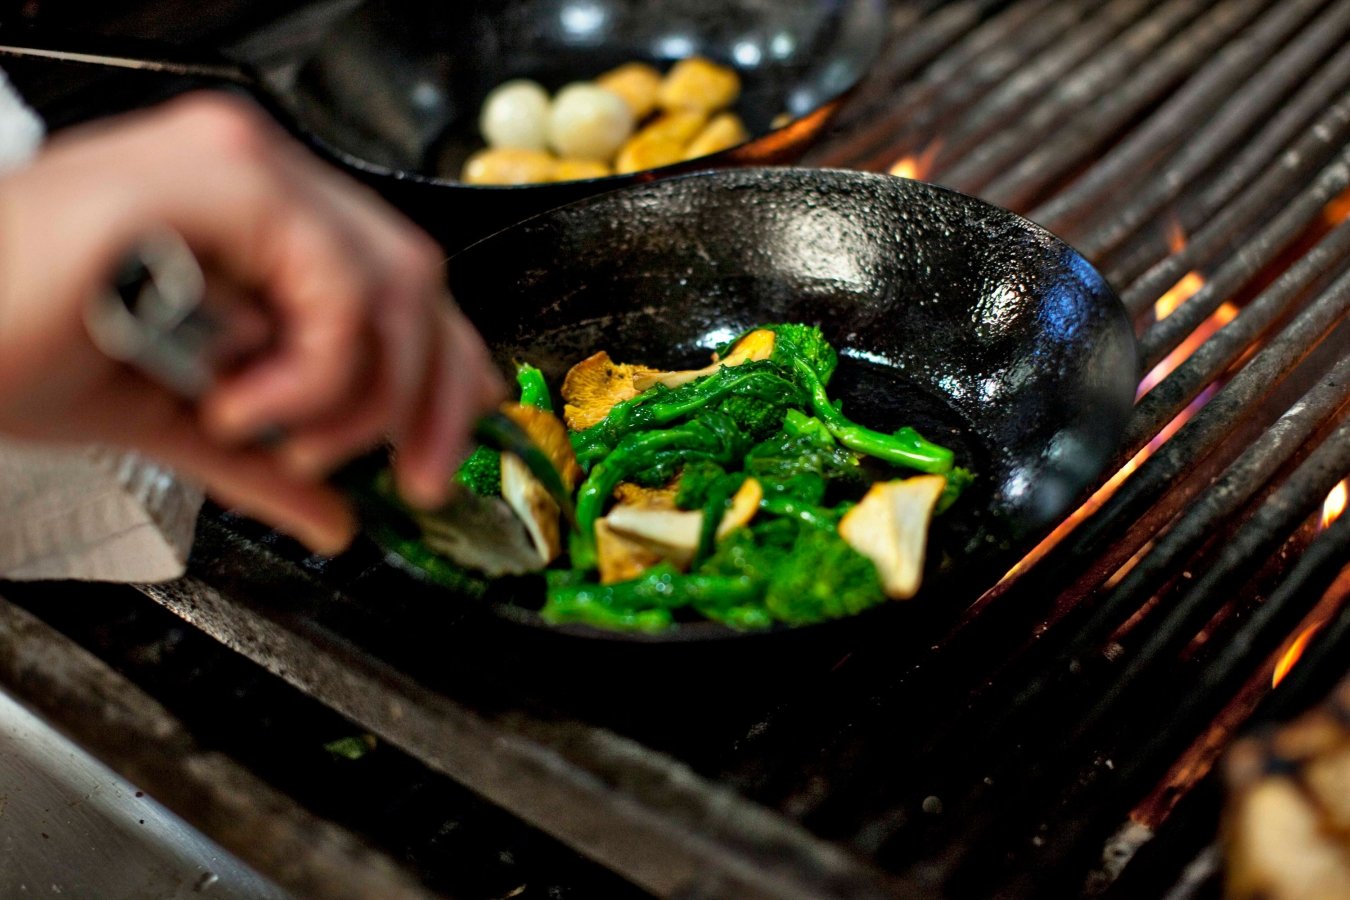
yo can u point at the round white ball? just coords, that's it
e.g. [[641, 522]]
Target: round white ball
[[515, 114], [588, 122]]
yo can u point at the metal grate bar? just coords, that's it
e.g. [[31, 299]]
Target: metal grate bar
[[1329, 124], [1092, 83], [1084, 134], [923, 35], [1202, 434], [1169, 397], [139, 739], [1009, 102], [992, 51], [1295, 219], [1086, 810], [1125, 164], [1239, 483], [634, 810], [1295, 167]]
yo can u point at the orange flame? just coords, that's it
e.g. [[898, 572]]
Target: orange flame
[[1177, 294], [1187, 287], [1176, 235], [1221, 317], [1105, 492], [1335, 503], [1290, 657], [917, 166]]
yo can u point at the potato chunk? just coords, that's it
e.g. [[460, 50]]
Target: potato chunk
[[636, 83], [723, 132], [699, 84], [508, 165]]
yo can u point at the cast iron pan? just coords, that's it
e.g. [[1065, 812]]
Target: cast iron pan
[[392, 90], [976, 326]]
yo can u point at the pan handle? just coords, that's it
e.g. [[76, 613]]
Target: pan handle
[[28, 42]]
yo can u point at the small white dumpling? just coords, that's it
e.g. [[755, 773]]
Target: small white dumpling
[[515, 114], [588, 122]]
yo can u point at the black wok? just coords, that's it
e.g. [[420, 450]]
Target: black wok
[[392, 90], [976, 326]]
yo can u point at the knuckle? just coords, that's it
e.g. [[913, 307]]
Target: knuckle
[[229, 125], [417, 258]]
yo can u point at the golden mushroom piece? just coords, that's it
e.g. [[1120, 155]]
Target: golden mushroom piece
[[636, 83], [580, 170], [699, 84], [723, 132], [526, 496], [593, 386], [509, 165], [756, 345], [661, 142]]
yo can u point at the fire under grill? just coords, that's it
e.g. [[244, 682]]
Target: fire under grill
[[1056, 738]]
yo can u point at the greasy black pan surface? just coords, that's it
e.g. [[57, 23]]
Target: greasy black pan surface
[[974, 325]]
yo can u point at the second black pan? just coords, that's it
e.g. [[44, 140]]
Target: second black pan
[[976, 326]]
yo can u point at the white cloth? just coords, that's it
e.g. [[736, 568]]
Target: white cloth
[[90, 514]]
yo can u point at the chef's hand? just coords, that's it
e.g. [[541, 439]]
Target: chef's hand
[[364, 345]]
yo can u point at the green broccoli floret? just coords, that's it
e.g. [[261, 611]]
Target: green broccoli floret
[[482, 472], [958, 479], [794, 341], [822, 578], [805, 343]]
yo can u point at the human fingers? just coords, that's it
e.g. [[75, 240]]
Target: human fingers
[[462, 384]]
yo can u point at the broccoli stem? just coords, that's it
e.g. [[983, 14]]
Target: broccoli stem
[[904, 448], [792, 509], [660, 587], [533, 387]]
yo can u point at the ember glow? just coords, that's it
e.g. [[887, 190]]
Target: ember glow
[[1178, 294], [916, 166], [1292, 655], [1338, 210], [1221, 317], [1335, 503]]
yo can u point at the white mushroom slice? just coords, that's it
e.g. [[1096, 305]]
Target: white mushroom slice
[[537, 510], [756, 345], [890, 527], [744, 505], [671, 533], [621, 558], [1279, 848]]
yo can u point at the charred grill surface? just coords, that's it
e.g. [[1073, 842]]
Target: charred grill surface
[[1054, 738]]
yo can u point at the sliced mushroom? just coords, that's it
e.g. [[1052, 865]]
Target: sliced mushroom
[[890, 527], [756, 345], [670, 533], [744, 505], [593, 386], [643, 535], [622, 558], [526, 496], [631, 494]]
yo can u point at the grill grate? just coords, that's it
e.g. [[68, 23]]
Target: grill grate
[[1056, 738]]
